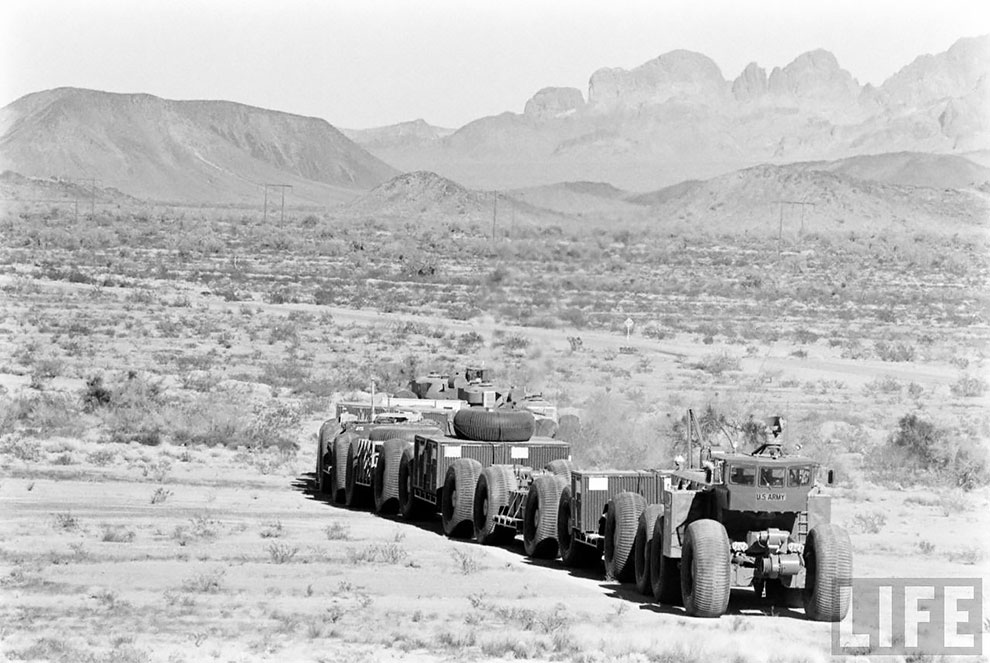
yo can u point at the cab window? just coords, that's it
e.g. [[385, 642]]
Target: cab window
[[799, 476], [741, 475], [772, 477]]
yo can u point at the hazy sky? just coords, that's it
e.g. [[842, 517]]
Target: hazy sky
[[366, 63]]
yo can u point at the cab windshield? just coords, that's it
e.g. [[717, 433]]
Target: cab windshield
[[799, 476], [772, 477], [742, 475]]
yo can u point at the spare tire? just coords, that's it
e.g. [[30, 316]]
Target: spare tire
[[494, 425], [405, 432]]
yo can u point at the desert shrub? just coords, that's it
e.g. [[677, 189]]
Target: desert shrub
[[882, 385], [968, 387], [894, 351], [290, 374], [574, 317], [615, 434], [117, 534], [207, 582], [134, 412], [272, 425], [21, 448], [160, 495], [95, 395], [919, 450], [324, 295], [337, 531], [717, 363], [39, 413], [281, 553], [469, 343], [467, 563], [283, 331], [870, 522], [653, 330], [208, 420], [511, 342]]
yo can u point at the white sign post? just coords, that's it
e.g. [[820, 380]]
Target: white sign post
[[629, 326]]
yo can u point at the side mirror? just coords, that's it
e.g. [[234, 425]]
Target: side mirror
[[831, 477]]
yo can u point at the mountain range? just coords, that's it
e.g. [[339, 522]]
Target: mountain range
[[643, 136], [184, 151], [677, 117]]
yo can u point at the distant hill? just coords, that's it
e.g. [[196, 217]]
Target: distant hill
[[584, 198], [940, 171], [183, 151], [426, 196], [677, 118], [749, 201], [415, 132]]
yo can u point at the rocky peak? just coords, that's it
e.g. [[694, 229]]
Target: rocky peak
[[675, 76], [814, 78], [751, 84], [553, 102], [930, 78]]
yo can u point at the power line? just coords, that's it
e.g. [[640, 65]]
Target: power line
[[281, 188], [780, 230]]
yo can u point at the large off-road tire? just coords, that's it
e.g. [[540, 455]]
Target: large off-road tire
[[491, 494], [540, 517], [324, 460], [828, 567], [705, 572], [338, 482], [641, 547], [573, 553], [665, 572], [561, 468], [385, 481], [354, 495], [494, 425], [410, 507], [620, 532], [457, 500]]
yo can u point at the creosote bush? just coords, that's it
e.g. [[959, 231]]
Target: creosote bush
[[922, 451]]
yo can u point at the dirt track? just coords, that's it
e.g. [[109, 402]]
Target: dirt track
[[390, 590]]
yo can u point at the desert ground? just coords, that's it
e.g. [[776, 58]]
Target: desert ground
[[160, 407]]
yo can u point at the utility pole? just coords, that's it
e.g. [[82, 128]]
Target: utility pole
[[494, 214], [281, 188], [780, 229], [83, 181], [512, 221]]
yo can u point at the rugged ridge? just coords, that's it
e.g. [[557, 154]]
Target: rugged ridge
[[676, 117], [189, 151], [675, 76]]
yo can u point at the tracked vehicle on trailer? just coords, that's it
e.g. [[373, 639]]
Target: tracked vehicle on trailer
[[441, 472], [349, 441]]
